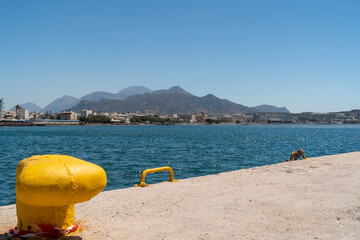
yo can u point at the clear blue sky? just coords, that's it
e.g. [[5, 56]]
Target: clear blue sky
[[304, 55]]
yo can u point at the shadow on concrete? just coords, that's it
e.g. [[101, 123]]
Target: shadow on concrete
[[4, 237]]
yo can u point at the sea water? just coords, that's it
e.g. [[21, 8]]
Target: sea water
[[190, 150]]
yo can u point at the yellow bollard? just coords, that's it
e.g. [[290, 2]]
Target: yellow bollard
[[48, 186]]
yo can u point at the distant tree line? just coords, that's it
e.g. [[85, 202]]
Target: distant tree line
[[95, 119], [211, 121], [153, 120], [52, 116]]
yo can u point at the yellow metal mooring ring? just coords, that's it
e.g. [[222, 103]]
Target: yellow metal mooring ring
[[154, 170]]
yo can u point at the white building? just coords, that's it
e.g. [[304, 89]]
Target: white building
[[87, 113], [23, 113], [284, 119]]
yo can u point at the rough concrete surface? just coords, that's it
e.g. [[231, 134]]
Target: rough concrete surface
[[316, 198]]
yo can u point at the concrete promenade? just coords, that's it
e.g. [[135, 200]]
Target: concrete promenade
[[317, 198]]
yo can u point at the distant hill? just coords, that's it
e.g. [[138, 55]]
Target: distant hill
[[173, 100], [32, 107], [67, 102], [142, 99], [175, 89], [60, 104], [123, 94], [270, 109], [97, 96], [130, 91]]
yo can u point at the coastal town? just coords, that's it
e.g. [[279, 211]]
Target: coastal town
[[20, 116]]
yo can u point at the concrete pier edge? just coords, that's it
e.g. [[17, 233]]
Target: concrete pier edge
[[316, 198]]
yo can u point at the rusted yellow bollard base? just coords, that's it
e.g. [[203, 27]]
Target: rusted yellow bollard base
[[30, 216], [48, 186]]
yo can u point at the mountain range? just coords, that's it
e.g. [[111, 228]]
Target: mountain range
[[142, 99], [67, 102]]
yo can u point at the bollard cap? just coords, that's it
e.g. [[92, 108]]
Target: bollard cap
[[57, 180]]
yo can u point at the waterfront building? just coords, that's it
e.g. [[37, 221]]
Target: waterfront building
[[225, 118], [68, 115], [258, 118], [9, 114], [2, 107], [129, 116], [114, 115], [106, 114], [201, 117], [187, 118], [193, 118], [22, 113], [283, 119], [54, 122], [35, 115], [117, 118], [239, 118], [87, 113], [184, 117]]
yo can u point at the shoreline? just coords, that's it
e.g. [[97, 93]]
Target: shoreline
[[317, 198], [25, 124]]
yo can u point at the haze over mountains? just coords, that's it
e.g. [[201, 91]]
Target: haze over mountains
[[142, 99]]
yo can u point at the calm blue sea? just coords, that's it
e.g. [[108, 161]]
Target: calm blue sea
[[125, 151]]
